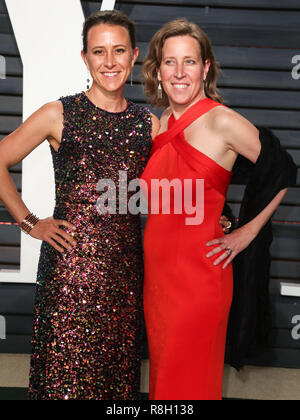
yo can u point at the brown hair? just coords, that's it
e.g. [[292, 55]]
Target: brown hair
[[110, 17], [178, 27]]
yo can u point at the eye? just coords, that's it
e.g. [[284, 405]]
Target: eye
[[121, 50], [169, 62], [97, 52], [190, 61]]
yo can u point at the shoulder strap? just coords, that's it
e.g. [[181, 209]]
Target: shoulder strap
[[192, 114], [178, 126]]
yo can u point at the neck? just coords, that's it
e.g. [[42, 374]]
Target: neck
[[178, 110], [109, 101]]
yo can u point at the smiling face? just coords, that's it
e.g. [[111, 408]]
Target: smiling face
[[182, 71], [110, 57]]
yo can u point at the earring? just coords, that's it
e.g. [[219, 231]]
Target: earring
[[131, 80], [159, 93], [88, 81]]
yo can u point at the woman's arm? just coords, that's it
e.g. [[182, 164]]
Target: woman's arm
[[242, 237], [256, 225], [47, 122], [243, 138], [14, 148]]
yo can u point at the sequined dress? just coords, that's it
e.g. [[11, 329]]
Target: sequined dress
[[88, 306]]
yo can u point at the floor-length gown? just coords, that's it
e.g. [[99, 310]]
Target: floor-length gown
[[88, 311], [186, 298]]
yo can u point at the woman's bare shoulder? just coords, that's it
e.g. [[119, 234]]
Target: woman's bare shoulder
[[224, 119], [238, 133], [53, 110]]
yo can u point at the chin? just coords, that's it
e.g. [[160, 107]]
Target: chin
[[179, 100], [112, 87], [184, 98]]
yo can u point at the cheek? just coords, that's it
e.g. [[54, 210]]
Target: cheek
[[166, 74], [95, 62], [197, 76], [124, 64]]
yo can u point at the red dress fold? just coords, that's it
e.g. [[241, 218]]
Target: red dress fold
[[186, 298]]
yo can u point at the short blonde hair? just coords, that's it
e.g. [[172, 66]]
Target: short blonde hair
[[152, 63]]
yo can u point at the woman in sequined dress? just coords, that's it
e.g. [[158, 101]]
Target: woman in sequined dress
[[88, 309]]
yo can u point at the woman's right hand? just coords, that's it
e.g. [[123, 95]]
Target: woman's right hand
[[49, 230]]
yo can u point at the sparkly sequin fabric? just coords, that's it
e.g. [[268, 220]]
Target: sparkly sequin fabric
[[88, 309]]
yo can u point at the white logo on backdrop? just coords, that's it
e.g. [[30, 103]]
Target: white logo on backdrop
[[296, 329], [296, 69], [2, 67], [2, 328]]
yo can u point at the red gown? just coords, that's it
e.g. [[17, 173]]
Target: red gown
[[186, 298]]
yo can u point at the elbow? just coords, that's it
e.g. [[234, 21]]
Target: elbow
[[4, 166]]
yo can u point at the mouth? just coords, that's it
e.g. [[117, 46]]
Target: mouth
[[180, 86], [111, 75]]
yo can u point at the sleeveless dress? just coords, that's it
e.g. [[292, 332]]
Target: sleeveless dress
[[88, 311], [186, 298]]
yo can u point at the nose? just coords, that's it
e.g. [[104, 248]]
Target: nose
[[110, 60], [179, 73]]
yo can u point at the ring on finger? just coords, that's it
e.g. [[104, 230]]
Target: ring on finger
[[229, 250], [229, 225]]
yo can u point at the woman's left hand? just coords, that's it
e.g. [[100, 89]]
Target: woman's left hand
[[231, 244]]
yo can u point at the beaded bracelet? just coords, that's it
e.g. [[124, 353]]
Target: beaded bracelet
[[28, 223]]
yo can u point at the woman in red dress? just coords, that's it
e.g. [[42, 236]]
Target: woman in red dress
[[187, 293]]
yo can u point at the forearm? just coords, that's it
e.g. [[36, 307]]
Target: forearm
[[256, 225], [237, 241], [10, 197]]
